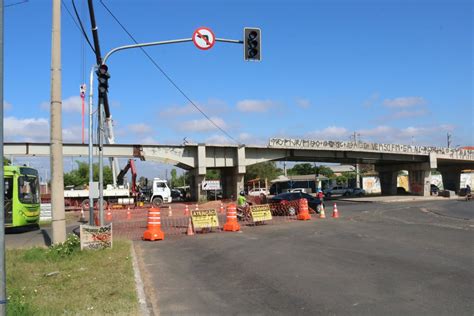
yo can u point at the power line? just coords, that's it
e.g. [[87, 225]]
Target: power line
[[167, 76], [14, 4], [78, 25]]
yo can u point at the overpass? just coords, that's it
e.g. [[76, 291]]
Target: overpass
[[232, 160]]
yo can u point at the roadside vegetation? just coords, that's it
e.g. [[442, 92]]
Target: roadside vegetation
[[63, 279]]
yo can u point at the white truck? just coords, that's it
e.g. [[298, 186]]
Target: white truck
[[122, 194]]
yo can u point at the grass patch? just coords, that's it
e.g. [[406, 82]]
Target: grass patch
[[58, 281]]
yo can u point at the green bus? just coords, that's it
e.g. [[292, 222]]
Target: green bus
[[22, 196]]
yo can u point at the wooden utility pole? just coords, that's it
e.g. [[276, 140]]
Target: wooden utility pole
[[57, 170]]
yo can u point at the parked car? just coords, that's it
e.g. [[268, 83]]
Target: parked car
[[214, 195], [177, 195], [357, 192], [337, 190], [302, 190], [258, 191], [285, 198]]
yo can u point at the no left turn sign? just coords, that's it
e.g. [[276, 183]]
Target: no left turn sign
[[204, 38]]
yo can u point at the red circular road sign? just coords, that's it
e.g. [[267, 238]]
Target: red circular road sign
[[204, 38]]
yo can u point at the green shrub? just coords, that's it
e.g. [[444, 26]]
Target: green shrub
[[67, 248]]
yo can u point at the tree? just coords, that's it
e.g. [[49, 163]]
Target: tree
[[213, 174], [80, 176], [174, 178], [324, 171], [264, 170], [301, 169], [6, 161]]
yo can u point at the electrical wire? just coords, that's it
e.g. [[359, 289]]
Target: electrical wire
[[78, 22], [167, 76], [14, 4]]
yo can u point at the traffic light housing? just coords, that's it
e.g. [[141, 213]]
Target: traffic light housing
[[103, 77], [252, 43]]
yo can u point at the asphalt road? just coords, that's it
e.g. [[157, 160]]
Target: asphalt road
[[377, 259]]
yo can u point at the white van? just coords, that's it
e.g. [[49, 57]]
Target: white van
[[258, 191]]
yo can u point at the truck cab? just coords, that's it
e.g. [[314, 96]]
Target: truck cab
[[161, 192]]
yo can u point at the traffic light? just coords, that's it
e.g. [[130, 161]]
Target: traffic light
[[103, 77], [252, 43]]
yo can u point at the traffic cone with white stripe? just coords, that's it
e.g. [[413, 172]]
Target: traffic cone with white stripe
[[170, 211], [154, 231], [190, 231], [129, 215], [322, 214], [83, 218], [221, 209], [231, 225], [186, 210], [108, 215], [335, 212]]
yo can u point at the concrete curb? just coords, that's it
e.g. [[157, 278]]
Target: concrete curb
[[139, 284]]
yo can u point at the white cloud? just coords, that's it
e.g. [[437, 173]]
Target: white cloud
[[202, 125], [255, 105], [71, 104], [404, 102], [212, 105], [149, 141], [303, 103], [140, 128], [28, 129], [7, 105], [330, 133]]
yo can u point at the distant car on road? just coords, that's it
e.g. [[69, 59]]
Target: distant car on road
[[258, 191], [358, 192], [285, 198], [337, 190], [302, 190]]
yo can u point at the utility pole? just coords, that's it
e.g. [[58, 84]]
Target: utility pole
[[3, 273], [448, 138], [355, 135], [57, 170]]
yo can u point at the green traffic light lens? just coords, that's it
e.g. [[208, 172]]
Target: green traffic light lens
[[252, 53]]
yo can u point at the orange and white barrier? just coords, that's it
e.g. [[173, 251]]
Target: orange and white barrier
[[154, 231], [231, 224], [303, 213]]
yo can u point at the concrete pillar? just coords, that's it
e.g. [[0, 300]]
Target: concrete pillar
[[198, 174], [388, 182], [232, 182], [451, 178], [195, 186], [419, 182]]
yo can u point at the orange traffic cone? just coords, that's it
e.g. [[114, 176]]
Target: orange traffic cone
[[221, 209], [170, 211], [303, 213], [322, 214], [108, 215], [335, 212], [186, 210], [231, 225], [190, 231], [197, 207], [83, 218], [129, 215], [154, 231]]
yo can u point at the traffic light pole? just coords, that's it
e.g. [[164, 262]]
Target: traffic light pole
[[103, 96]]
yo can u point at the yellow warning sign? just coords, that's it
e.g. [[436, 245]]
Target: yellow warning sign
[[205, 218], [261, 212]]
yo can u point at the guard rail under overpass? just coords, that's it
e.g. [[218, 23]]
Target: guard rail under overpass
[[232, 160]]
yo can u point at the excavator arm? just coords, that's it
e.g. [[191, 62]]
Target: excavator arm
[[130, 166]]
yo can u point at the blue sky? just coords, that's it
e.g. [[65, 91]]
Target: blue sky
[[392, 71]]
